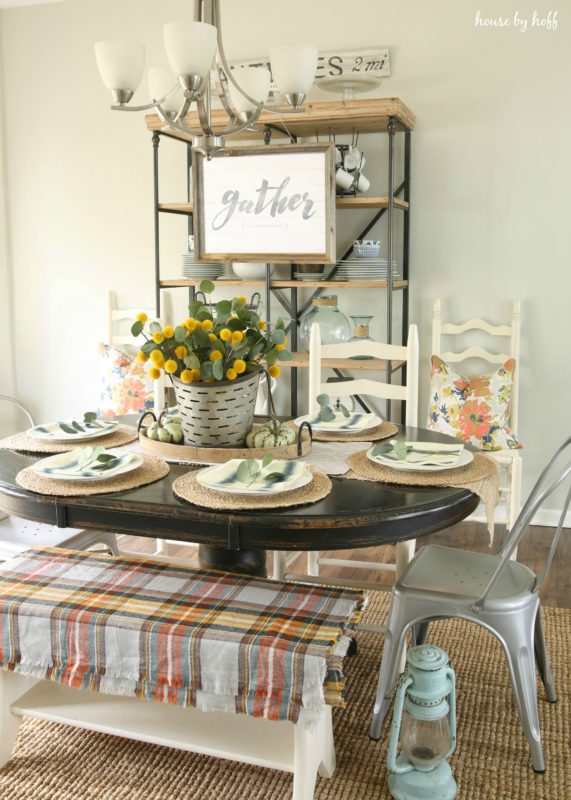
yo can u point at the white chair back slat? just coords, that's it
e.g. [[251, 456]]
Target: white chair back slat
[[385, 352], [476, 325], [475, 352], [384, 391]]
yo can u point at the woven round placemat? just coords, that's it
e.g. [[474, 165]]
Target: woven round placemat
[[491, 761], [188, 488], [152, 469], [382, 431], [480, 468], [25, 444]]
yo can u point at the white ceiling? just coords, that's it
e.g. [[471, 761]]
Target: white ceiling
[[19, 3]]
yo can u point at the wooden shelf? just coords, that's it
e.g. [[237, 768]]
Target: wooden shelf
[[361, 201], [173, 283], [364, 201], [335, 117], [301, 361], [234, 736]]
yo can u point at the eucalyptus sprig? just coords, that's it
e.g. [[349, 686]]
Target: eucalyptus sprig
[[326, 413], [398, 447], [250, 471], [88, 424]]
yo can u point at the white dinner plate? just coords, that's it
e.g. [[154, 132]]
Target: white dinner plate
[[465, 458], [77, 465], [355, 423], [222, 478], [52, 431]]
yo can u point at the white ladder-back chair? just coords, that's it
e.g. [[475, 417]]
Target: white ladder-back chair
[[119, 338], [17, 534], [510, 460], [407, 393]]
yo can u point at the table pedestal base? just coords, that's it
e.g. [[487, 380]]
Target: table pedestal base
[[247, 562]]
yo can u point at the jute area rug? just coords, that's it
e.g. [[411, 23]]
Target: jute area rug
[[491, 761]]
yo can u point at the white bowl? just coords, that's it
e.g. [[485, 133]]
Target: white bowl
[[250, 271]]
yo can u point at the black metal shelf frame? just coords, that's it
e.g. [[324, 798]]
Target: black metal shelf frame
[[291, 306]]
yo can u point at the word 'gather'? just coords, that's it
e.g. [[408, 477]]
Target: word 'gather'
[[271, 199]]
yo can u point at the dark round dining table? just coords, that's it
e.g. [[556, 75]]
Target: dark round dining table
[[356, 514]]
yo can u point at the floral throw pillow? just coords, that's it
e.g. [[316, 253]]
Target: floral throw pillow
[[125, 387], [476, 411]]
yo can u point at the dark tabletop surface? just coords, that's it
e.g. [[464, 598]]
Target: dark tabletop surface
[[355, 514]]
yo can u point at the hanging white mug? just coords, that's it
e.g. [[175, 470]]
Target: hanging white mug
[[363, 183], [343, 179], [338, 157], [353, 158]]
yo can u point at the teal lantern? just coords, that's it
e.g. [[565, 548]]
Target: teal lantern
[[424, 721]]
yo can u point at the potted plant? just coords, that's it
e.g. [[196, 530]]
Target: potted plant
[[214, 359]]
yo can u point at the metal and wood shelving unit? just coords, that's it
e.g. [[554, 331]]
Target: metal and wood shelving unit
[[389, 117]]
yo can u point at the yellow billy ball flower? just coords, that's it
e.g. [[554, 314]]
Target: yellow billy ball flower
[[180, 351], [212, 337], [154, 373], [237, 337], [262, 325], [225, 334], [231, 374], [168, 331], [186, 376], [275, 371], [242, 298], [191, 324], [142, 317], [141, 357], [215, 355], [156, 356], [207, 325], [240, 366], [280, 346], [158, 337], [195, 374], [171, 366]]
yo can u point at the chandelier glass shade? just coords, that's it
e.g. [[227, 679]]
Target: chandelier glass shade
[[195, 54]]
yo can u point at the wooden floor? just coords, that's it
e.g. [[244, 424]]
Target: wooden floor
[[469, 535]]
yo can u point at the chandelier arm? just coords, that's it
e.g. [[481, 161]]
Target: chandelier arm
[[242, 126], [172, 122], [183, 110], [227, 71], [224, 98], [204, 117], [147, 106], [175, 126]]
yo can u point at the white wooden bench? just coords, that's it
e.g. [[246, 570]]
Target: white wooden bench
[[143, 607], [277, 745]]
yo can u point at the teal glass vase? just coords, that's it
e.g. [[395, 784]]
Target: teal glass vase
[[334, 326]]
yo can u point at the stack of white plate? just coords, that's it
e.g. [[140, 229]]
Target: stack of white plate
[[366, 269], [192, 268]]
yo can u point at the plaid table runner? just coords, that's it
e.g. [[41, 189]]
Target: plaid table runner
[[189, 637]]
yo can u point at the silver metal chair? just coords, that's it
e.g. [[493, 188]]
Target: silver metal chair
[[17, 535], [491, 590]]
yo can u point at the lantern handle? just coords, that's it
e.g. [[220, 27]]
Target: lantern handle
[[392, 765], [452, 704]]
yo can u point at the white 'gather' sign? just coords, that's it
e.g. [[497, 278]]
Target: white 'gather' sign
[[266, 203]]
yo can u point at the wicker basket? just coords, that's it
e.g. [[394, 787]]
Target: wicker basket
[[217, 414]]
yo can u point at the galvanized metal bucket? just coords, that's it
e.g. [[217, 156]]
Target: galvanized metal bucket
[[219, 413]]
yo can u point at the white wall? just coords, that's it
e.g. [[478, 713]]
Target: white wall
[[7, 372], [491, 171]]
